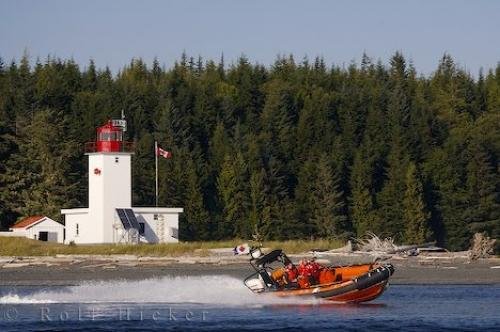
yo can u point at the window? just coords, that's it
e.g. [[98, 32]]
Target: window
[[104, 137], [142, 228], [115, 136], [77, 230]]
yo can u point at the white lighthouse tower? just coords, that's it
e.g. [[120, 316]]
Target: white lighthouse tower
[[110, 217], [110, 181]]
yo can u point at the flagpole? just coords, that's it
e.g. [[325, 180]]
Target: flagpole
[[156, 173]]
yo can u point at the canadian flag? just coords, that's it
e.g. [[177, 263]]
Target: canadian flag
[[164, 153]]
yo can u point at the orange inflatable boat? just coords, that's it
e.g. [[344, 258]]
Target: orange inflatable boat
[[275, 273]]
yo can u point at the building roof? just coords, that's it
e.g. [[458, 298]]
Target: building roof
[[152, 209], [27, 222]]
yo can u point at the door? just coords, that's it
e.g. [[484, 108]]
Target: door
[[43, 236], [52, 237]]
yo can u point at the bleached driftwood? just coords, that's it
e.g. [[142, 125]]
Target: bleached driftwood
[[482, 246], [372, 243], [342, 250]]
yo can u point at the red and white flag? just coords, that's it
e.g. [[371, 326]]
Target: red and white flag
[[164, 153]]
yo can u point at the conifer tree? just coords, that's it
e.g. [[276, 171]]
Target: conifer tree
[[364, 215], [7, 149], [40, 175], [143, 171], [232, 191], [257, 201], [362, 207], [389, 199], [483, 198], [328, 203], [220, 146], [275, 224], [89, 77], [197, 220], [304, 199], [415, 215], [447, 170], [493, 90], [171, 173]]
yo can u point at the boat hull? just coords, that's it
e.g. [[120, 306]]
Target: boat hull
[[358, 296], [360, 288]]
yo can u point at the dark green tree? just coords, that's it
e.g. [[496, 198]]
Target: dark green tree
[[196, 216], [40, 176], [328, 212], [232, 195], [483, 196], [415, 215]]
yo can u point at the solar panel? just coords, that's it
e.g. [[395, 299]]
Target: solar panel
[[132, 219], [124, 219]]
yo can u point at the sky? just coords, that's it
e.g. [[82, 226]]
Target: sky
[[114, 32]]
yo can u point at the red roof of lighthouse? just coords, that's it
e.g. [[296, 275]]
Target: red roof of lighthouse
[[109, 138], [26, 222], [109, 126]]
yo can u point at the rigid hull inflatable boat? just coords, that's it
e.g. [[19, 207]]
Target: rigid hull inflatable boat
[[276, 274]]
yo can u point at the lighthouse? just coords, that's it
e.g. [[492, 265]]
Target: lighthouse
[[110, 217]]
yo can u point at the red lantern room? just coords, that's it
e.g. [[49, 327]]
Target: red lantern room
[[109, 138]]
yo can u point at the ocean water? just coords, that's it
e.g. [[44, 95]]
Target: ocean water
[[222, 303]]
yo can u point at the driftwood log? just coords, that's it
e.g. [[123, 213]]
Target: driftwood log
[[482, 246]]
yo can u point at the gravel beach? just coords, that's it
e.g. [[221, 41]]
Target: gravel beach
[[408, 271]]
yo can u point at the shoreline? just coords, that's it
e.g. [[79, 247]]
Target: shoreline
[[72, 270]]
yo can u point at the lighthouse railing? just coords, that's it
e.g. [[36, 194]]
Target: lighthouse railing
[[91, 147]]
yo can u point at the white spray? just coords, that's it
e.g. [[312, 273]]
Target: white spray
[[220, 290]]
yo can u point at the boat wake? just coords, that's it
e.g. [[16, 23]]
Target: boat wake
[[217, 290]]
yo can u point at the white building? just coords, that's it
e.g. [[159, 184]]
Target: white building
[[110, 217], [38, 228]]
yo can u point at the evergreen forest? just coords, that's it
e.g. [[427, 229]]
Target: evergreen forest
[[299, 149]]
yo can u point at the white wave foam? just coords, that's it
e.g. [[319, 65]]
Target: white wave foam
[[221, 290], [16, 299]]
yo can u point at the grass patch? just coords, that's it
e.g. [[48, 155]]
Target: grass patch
[[19, 246]]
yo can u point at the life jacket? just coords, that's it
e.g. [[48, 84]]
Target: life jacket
[[278, 274], [326, 276], [309, 269], [291, 273], [303, 282], [308, 273]]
